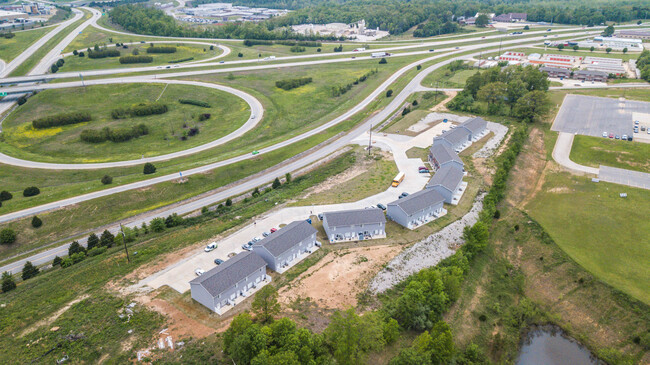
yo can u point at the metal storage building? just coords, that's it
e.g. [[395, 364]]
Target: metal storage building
[[416, 209], [220, 288], [286, 246], [448, 182], [352, 225]]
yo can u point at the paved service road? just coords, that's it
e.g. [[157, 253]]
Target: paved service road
[[562, 151], [615, 175], [591, 115]]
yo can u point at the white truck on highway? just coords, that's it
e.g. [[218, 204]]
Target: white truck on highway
[[269, 58], [379, 54], [358, 50]]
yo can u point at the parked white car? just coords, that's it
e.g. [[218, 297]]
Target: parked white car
[[211, 247], [199, 272]]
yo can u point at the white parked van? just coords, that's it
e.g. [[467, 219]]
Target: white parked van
[[211, 247]]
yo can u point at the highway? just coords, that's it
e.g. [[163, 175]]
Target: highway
[[505, 40], [291, 165], [55, 53], [38, 44]]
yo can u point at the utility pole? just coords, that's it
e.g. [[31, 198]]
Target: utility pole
[[82, 81], [128, 260], [370, 140]]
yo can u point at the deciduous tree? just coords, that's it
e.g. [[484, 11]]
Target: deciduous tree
[[265, 304]]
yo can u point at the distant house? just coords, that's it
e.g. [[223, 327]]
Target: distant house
[[286, 246], [441, 155], [510, 17], [586, 75], [457, 139], [448, 181], [357, 224], [222, 287], [417, 209], [470, 21], [477, 128], [556, 72]]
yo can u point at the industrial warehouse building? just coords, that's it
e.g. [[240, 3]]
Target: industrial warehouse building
[[608, 65], [287, 246], [417, 209], [442, 155], [223, 287], [639, 34], [448, 181], [353, 225]]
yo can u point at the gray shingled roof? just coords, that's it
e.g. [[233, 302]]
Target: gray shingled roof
[[354, 217], [286, 237], [448, 177], [416, 202], [554, 69], [443, 153], [226, 275], [474, 125], [455, 136], [593, 73]]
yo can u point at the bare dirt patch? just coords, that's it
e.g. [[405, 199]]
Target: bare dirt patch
[[179, 324], [337, 279], [49, 320], [442, 106]]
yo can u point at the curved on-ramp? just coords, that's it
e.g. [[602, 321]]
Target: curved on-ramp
[[257, 111]]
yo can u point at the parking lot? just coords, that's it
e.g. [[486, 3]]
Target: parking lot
[[593, 116]]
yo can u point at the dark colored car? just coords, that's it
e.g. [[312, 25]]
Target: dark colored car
[[381, 206], [218, 261]]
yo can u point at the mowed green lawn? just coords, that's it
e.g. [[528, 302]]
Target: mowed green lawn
[[595, 151], [183, 51], [12, 47], [604, 233], [63, 144]]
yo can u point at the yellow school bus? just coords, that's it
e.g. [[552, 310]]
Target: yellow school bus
[[398, 179]]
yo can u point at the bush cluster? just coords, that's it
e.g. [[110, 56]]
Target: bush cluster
[[159, 49], [61, 119], [194, 102], [202, 117], [297, 49], [104, 53], [289, 84], [8, 35], [31, 191], [181, 60], [113, 135], [139, 110], [136, 59]]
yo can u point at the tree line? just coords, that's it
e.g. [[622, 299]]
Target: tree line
[[139, 110], [643, 65], [114, 134], [152, 21]]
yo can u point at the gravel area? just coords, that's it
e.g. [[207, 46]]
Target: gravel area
[[426, 253], [488, 149]]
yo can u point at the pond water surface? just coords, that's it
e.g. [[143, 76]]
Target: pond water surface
[[548, 345]]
